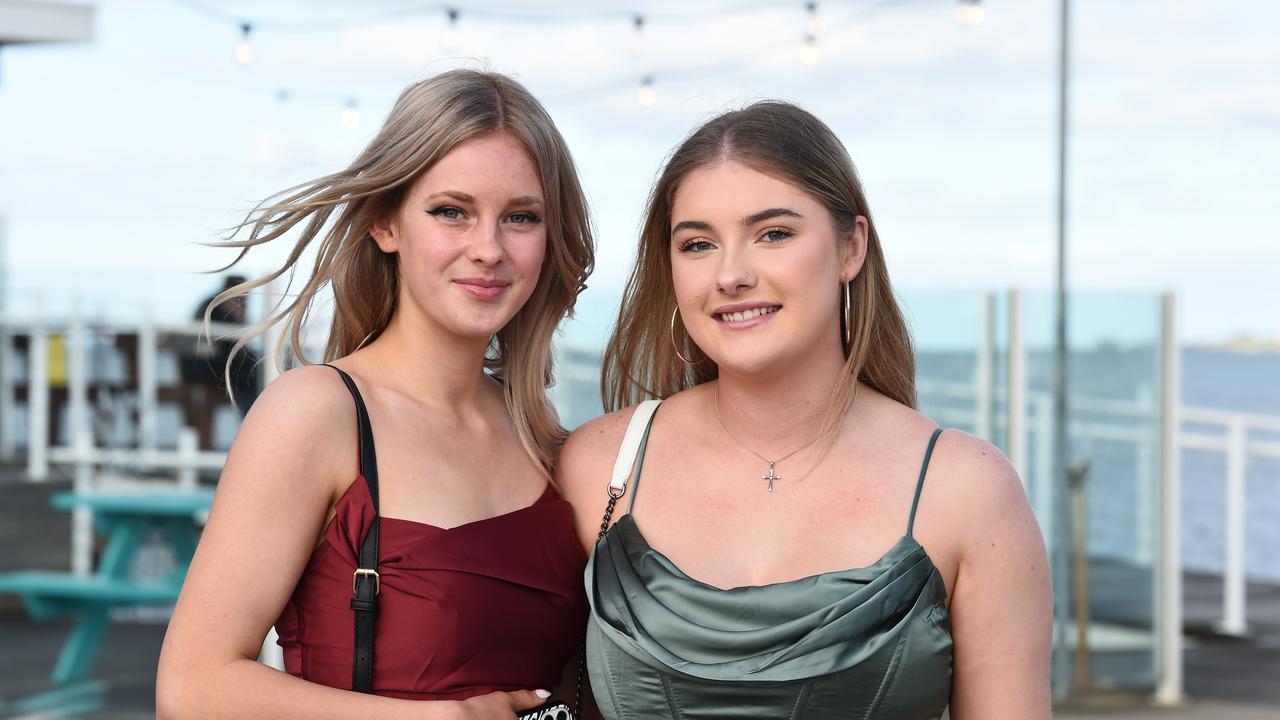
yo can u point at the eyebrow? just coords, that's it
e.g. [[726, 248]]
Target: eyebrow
[[523, 200], [748, 221]]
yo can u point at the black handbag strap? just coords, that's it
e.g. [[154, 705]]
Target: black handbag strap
[[365, 583]]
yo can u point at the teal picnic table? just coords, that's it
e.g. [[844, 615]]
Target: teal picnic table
[[127, 519]]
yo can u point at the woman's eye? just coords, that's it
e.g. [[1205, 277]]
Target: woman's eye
[[447, 212], [694, 246], [775, 235], [524, 218]]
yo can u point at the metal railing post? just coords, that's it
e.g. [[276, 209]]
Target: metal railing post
[[1233, 572], [984, 368], [38, 399], [1016, 387], [147, 384], [8, 436], [1169, 691]]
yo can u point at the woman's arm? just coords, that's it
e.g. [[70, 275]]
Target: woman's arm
[[296, 448], [1002, 602]]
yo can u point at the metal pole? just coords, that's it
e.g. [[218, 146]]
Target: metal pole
[[38, 398], [1061, 538], [983, 425], [273, 338], [1169, 598], [147, 383], [1233, 574], [8, 438], [1016, 390]]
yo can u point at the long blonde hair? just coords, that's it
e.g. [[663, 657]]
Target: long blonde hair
[[336, 212], [787, 142]]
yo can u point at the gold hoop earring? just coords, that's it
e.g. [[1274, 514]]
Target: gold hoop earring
[[848, 315], [675, 346]]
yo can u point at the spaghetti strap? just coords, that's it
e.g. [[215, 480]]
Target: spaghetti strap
[[924, 468]]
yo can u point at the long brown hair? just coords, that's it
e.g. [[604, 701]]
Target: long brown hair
[[789, 143], [336, 212]]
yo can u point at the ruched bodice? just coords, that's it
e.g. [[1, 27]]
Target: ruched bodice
[[869, 642]]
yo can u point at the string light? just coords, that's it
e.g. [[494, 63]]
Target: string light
[[648, 94], [350, 115], [971, 12], [817, 28], [244, 50], [452, 36], [809, 53], [635, 43]]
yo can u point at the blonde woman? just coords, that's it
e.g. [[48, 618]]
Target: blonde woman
[[442, 566], [788, 536]]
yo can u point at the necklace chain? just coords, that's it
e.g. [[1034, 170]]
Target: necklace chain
[[715, 400]]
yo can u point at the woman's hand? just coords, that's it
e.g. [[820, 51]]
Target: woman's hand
[[504, 705]]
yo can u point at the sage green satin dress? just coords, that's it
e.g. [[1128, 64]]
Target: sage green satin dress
[[869, 642]]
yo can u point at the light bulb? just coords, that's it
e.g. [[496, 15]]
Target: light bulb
[[817, 28], [244, 50], [452, 36], [350, 115], [971, 12], [635, 43], [809, 53], [648, 94]]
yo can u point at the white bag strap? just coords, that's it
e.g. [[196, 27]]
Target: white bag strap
[[631, 446]]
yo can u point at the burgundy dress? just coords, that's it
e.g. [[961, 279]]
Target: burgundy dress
[[495, 604]]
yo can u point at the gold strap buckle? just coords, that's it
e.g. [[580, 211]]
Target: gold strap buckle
[[377, 580]]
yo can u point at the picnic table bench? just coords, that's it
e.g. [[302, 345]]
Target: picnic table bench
[[128, 519]]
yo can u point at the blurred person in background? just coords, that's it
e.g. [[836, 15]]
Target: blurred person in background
[[448, 569], [779, 552]]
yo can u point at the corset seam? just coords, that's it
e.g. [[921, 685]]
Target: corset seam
[[802, 700], [889, 672]]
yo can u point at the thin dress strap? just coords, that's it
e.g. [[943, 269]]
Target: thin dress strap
[[924, 468]]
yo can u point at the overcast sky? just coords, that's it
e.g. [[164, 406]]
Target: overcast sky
[[117, 157]]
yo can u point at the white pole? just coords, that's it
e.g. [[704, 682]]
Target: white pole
[[38, 399], [984, 367], [82, 517], [1233, 574], [147, 383], [1145, 463], [274, 336], [188, 446], [8, 441], [1043, 499], [1016, 387], [1169, 691], [77, 377]]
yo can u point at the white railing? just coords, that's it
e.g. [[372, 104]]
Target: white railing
[[1236, 444]]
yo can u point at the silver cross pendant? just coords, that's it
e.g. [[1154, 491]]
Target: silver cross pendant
[[770, 477]]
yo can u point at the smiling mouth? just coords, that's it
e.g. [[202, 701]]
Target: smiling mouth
[[745, 315]]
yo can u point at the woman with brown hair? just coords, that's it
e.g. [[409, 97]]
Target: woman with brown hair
[[779, 553], [447, 570]]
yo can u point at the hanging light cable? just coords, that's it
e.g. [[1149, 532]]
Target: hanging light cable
[[971, 12], [244, 49]]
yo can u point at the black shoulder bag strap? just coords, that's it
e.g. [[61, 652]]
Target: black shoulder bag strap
[[365, 583]]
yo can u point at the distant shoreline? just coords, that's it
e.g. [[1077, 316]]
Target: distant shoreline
[[1246, 345]]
